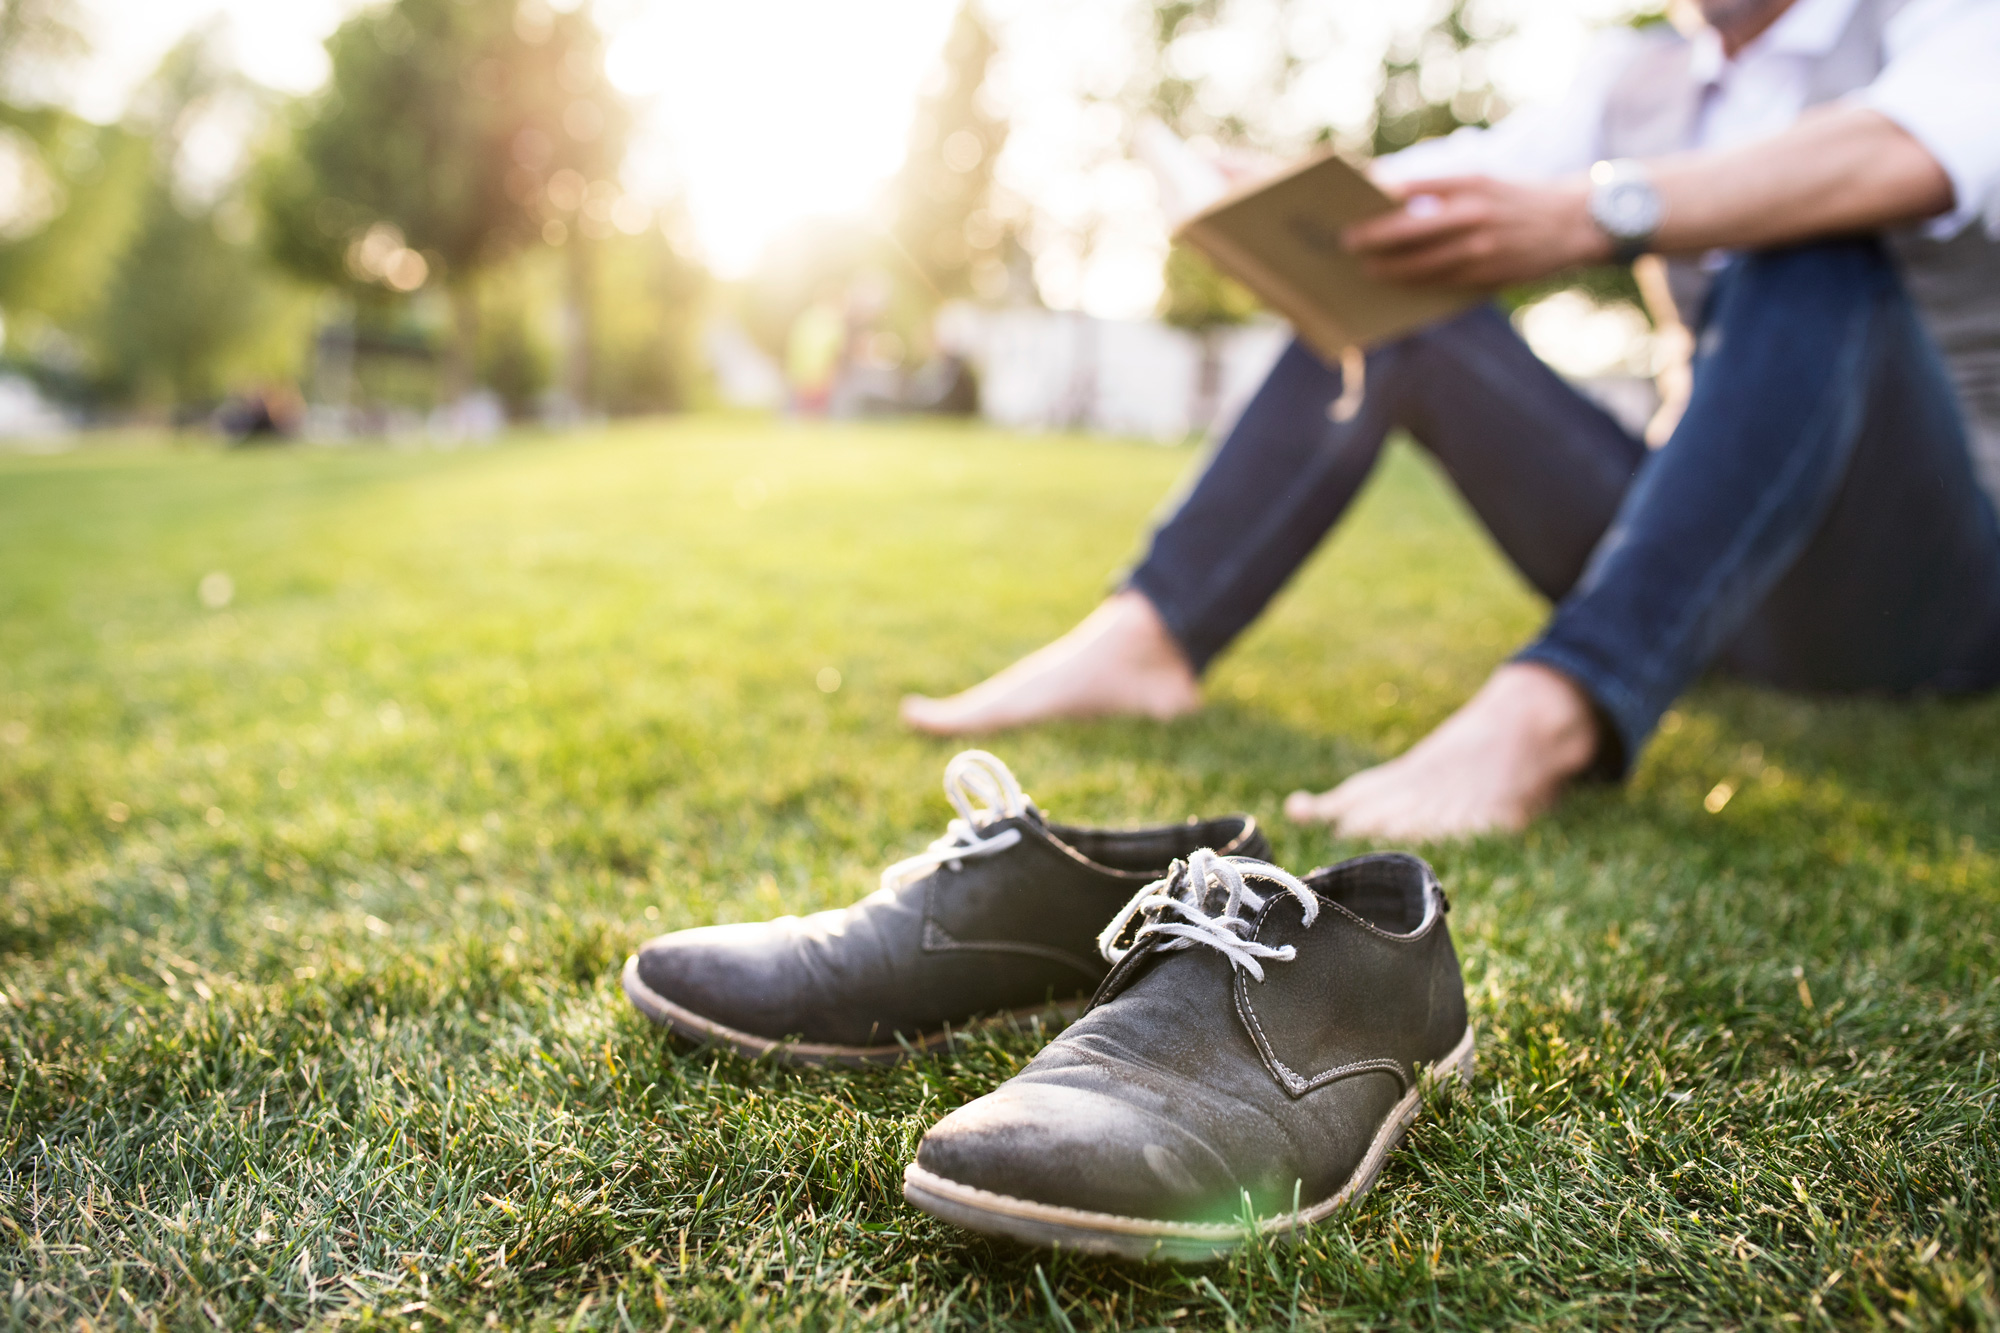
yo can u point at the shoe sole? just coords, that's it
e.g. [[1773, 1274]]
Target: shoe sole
[[1051, 1226], [687, 1024]]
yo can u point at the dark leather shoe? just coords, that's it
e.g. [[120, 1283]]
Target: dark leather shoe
[[999, 915], [1261, 1045]]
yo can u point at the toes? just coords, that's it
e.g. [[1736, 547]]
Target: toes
[[1326, 807], [926, 714], [1410, 817], [1375, 803], [1370, 819], [1302, 807], [1381, 824]]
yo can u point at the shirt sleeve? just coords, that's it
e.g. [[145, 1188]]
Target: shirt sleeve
[[1538, 142], [1942, 84]]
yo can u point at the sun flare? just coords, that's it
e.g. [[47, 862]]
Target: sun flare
[[762, 115]]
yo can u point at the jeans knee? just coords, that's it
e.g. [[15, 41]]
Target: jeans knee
[[1445, 337]]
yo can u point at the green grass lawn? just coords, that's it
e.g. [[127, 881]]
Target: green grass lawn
[[311, 906]]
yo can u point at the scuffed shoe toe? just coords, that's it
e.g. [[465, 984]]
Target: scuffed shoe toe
[[733, 975], [1074, 1148]]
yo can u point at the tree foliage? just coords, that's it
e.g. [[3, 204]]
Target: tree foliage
[[75, 195], [945, 224], [1435, 81], [144, 286], [37, 39], [646, 300], [1194, 293], [191, 309], [469, 127]]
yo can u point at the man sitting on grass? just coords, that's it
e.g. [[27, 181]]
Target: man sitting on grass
[[1826, 174]]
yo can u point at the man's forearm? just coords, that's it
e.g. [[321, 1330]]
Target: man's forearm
[[1838, 170]]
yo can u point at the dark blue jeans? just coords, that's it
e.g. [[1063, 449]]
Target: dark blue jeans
[[1814, 523]]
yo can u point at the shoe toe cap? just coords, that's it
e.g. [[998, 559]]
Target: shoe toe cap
[[1080, 1148], [737, 975]]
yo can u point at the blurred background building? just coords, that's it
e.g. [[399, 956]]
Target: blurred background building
[[429, 218]]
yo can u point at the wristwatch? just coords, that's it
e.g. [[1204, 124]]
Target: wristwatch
[[1625, 206]]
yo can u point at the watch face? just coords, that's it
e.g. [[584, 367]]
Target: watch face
[[1628, 209]]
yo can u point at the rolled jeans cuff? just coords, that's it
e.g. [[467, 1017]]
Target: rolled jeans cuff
[[1197, 648], [1625, 717]]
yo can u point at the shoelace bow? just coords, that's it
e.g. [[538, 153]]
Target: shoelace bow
[[971, 775], [1173, 906]]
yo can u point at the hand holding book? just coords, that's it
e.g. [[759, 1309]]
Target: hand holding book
[[1478, 231], [1283, 238]]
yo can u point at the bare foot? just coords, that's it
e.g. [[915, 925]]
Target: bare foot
[[1493, 765], [1120, 661]]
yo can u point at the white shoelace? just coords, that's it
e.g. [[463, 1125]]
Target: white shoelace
[[1183, 891], [971, 774]]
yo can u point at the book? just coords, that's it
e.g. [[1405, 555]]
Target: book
[[1280, 237]]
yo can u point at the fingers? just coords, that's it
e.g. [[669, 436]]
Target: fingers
[[1467, 258], [1468, 231], [1410, 226], [1430, 209], [1444, 187]]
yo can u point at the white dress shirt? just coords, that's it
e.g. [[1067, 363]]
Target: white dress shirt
[[1941, 83]]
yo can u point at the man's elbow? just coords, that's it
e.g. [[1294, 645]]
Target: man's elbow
[[1900, 180]]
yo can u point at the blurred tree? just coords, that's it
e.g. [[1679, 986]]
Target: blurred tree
[[69, 189], [1172, 96], [1197, 297], [38, 39], [451, 133], [192, 314], [647, 330], [646, 311], [1194, 295], [518, 344], [946, 232], [191, 309], [1434, 79], [128, 267], [70, 196], [946, 225]]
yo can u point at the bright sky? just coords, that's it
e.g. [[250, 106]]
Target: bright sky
[[277, 42], [766, 111], [758, 114]]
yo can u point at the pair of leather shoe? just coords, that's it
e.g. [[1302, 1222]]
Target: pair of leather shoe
[[1253, 1046]]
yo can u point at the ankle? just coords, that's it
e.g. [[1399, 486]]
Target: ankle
[[1142, 634], [1554, 715]]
